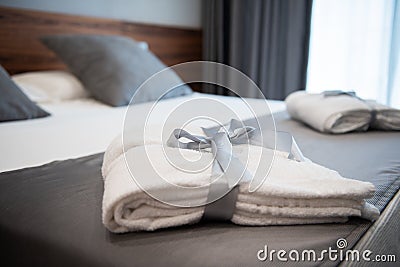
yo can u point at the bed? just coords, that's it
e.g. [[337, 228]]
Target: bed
[[51, 186]]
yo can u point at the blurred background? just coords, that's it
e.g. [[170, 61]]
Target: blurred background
[[283, 45]]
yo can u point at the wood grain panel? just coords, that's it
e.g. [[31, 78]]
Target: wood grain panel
[[21, 50]]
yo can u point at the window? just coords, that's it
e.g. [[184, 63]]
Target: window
[[354, 45]]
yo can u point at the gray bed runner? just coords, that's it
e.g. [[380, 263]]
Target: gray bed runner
[[51, 215]]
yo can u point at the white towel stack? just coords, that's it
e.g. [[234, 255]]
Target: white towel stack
[[293, 193], [341, 113]]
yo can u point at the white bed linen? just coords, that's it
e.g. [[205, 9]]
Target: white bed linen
[[79, 128]]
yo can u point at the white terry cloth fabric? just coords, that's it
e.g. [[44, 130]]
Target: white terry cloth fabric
[[341, 113], [387, 118], [293, 193]]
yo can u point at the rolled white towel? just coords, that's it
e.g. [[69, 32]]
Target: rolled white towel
[[341, 113], [293, 193], [336, 114], [387, 118]]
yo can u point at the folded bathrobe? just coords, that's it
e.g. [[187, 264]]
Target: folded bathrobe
[[341, 112], [293, 193]]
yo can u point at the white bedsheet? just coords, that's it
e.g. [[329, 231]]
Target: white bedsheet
[[79, 128]]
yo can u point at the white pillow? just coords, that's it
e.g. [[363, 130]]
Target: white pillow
[[50, 86]]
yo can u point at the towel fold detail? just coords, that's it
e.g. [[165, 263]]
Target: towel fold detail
[[295, 192]]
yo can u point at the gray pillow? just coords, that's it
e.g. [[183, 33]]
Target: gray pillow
[[112, 68], [14, 104]]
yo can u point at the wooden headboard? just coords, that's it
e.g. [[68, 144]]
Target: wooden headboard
[[21, 50]]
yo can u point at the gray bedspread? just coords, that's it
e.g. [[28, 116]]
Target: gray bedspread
[[51, 215]]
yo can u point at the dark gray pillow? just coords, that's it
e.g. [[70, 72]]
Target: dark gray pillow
[[14, 104], [112, 68]]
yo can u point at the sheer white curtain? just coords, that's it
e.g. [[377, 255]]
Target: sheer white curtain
[[355, 45]]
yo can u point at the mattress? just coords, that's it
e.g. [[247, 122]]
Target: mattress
[[51, 214], [84, 127]]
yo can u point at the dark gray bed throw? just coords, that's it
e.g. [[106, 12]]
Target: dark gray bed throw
[[51, 215]]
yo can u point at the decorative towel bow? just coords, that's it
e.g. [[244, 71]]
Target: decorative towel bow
[[220, 145], [339, 92], [225, 164]]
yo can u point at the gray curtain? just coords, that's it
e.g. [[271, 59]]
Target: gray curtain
[[267, 40]]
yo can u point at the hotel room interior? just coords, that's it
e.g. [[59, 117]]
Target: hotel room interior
[[272, 139]]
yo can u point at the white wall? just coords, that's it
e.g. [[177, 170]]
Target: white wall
[[183, 13]]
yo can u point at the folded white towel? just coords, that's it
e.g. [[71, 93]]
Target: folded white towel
[[293, 193], [387, 118], [341, 113]]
